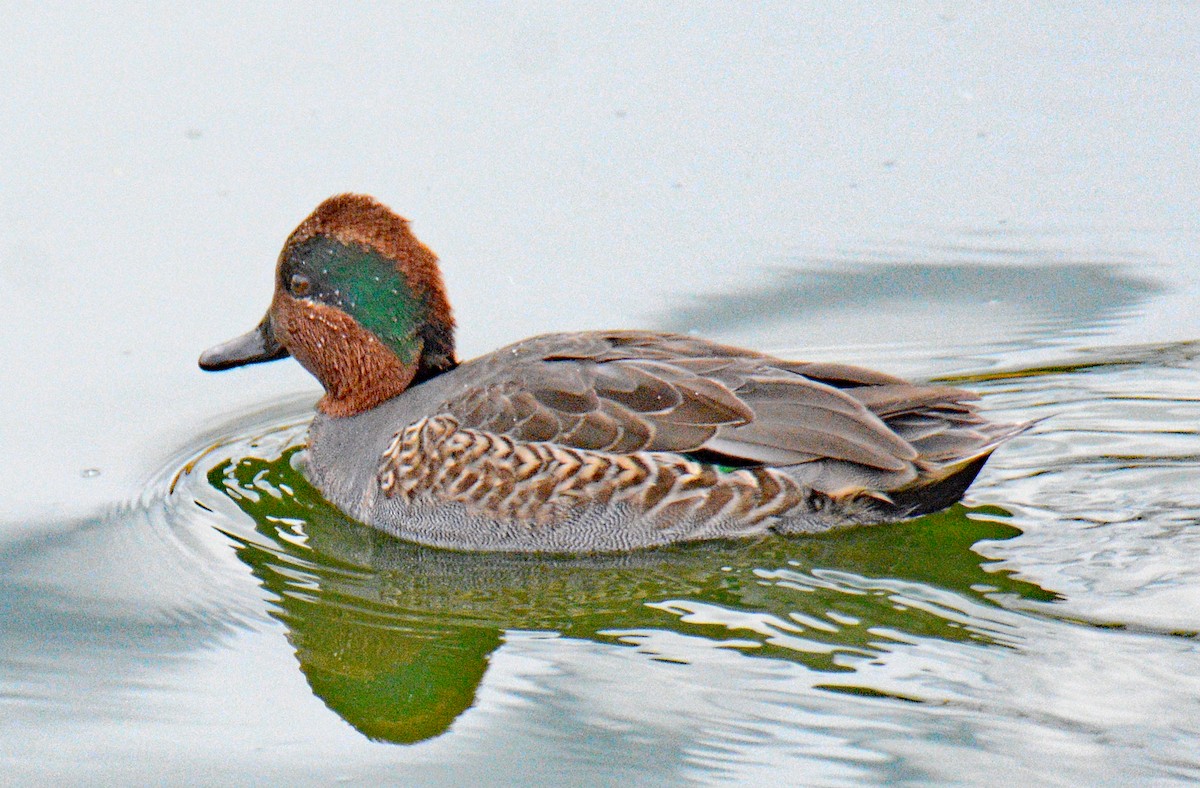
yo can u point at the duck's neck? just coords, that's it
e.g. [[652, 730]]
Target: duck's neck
[[357, 370], [368, 381], [369, 375]]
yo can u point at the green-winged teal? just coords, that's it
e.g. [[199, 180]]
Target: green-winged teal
[[592, 441]]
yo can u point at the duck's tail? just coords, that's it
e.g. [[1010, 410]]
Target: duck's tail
[[947, 483]]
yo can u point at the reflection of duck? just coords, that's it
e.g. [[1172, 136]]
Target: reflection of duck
[[396, 637], [586, 442]]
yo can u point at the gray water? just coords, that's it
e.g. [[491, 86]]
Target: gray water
[[1006, 199]]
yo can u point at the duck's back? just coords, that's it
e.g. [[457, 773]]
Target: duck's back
[[606, 441]]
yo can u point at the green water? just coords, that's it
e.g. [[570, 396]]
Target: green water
[[395, 638], [233, 615]]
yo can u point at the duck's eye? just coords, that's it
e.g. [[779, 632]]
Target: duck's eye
[[298, 285]]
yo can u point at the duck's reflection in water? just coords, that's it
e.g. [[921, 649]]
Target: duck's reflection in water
[[396, 638]]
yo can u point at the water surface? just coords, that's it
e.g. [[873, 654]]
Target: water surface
[[1002, 198], [1050, 619]]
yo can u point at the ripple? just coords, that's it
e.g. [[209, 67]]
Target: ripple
[[1104, 489], [1016, 628], [827, 604], [1002, 296]]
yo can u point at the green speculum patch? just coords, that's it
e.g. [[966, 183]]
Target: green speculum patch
[[365, 285]]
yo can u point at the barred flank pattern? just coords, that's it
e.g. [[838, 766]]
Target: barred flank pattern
[[543, 483]]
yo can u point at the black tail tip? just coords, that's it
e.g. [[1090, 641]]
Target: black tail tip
[[942, 493]]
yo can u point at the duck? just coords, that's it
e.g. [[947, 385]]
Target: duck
[[582, 442]]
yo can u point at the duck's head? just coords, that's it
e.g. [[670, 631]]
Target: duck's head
[[359, 302]]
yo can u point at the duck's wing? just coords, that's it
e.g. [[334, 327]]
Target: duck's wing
[[642, 391]]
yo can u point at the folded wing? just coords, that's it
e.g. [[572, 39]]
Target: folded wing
[[833, 426]]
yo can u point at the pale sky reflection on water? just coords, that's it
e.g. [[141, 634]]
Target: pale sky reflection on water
[[919, 187], [574, 169]]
